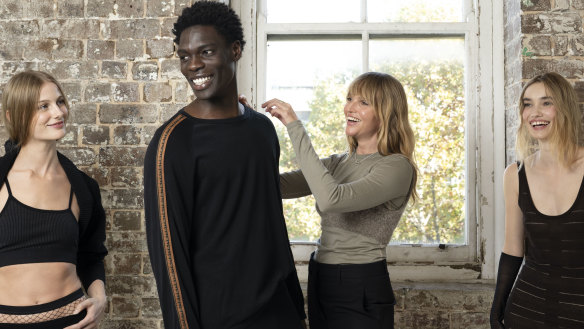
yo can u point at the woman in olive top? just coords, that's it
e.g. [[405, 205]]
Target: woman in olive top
[[360, 195]]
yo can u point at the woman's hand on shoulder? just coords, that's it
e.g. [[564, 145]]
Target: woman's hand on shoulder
[[281, 110], [243, 100], [95, 308]]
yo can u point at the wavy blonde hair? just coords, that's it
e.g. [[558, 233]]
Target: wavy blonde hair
[[566, 133], [387, 97], [20, 99]]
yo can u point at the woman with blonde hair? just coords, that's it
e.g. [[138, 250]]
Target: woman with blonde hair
[[360, 196], [544, 203], [52, 223]]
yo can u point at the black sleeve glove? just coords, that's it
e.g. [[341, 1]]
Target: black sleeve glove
[[508, 268]]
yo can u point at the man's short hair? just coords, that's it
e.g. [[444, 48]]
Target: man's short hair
[[211, 13]]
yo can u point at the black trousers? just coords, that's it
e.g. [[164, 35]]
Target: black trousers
[[59, 323], [354, 296]]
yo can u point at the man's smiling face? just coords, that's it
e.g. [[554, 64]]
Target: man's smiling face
[[207, 61]]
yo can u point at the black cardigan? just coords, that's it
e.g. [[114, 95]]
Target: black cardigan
[[91, 250]]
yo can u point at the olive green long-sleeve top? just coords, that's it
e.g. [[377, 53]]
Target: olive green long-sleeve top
[[360, 198]]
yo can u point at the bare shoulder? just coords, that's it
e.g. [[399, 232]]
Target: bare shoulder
[[512, 168], [511, 171], [511, 179]]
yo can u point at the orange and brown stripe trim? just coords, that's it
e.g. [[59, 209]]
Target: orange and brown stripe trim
[[164, 226]]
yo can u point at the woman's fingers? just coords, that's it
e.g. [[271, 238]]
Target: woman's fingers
[[276, 103], [94, 312], [280, 110], [271, 101], [243, 100]]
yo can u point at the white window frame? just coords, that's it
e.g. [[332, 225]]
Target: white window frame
[[485, 127]]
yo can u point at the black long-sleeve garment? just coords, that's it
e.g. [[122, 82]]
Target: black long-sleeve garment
[[216, 233]]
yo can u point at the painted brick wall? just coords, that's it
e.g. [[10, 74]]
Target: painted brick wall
[[115, 61]]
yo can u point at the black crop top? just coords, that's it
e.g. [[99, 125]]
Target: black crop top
[[31, 235]]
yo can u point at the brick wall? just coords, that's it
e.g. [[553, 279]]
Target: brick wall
[[442, 305], [115, 61], [541, 36], [513, 74]]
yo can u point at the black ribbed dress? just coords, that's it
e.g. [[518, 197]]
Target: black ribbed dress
[[549, 291]]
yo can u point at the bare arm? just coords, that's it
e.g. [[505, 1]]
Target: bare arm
[[513, 249], [514, 234]]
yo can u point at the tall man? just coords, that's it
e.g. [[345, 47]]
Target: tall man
[[216, 233]]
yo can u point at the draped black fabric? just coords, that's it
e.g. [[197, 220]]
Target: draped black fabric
[[549, 291], [216, 234]]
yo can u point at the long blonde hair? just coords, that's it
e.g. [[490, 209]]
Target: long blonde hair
[[388, 98], [566, 131], [20, 99]]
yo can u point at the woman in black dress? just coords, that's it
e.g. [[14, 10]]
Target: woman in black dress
[[544, 214]]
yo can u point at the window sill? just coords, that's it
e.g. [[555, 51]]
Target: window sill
[[415, 263]]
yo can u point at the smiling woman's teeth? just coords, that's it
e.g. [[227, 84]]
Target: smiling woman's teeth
[[539, 123], [353, 119], [200, 81]]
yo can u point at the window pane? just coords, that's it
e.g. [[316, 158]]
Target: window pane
[[432, 72], [415, 11], [311, 11], [313, 77]]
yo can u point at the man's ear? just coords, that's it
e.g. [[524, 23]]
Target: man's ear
[[236, 50]]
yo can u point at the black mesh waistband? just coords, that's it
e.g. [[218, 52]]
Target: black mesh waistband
[[25, 310]]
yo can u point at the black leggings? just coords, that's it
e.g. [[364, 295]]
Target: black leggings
[[58, 323], [354, 296]]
